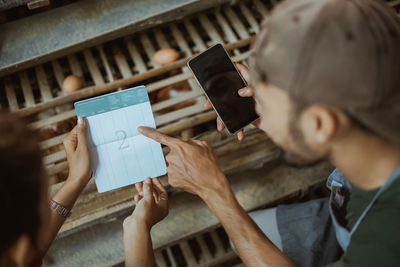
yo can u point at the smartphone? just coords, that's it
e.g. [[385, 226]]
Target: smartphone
[[220, 81]]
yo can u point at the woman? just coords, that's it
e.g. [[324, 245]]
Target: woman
[[31, 220]]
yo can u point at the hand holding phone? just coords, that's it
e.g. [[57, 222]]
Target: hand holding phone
[[220, 80], [243, 92]]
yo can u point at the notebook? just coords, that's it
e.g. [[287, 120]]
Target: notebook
[[120, 155]]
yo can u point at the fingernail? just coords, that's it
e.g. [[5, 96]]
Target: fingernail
[[80, 120], [140, 129], [147, 181], [241, 91]]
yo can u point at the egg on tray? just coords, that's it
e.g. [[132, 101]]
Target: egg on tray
[[71, 84], [165, 56]]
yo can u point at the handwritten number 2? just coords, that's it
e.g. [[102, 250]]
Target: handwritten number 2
[[121, 134]]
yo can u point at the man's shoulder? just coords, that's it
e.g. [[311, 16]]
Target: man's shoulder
[[375, 242]]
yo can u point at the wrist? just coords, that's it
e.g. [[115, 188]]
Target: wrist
[[135, 228], [221, 190], [77, 183]]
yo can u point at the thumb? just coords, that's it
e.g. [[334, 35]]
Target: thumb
[[148, 190], [81, 131]]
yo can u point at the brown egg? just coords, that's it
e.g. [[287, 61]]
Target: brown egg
[[72, 83], [174, 91], [165, 56]]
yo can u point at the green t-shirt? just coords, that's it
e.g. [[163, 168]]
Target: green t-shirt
[[376, 242]]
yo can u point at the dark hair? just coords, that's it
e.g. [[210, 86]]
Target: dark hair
[[20, 181]]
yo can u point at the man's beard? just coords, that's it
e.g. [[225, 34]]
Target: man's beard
[[297, 161], [293, 159]]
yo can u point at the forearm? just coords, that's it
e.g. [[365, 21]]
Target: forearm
[[138, 246], [254, 248], [65, 196]]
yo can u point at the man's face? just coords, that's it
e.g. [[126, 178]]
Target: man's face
[[279, 120]]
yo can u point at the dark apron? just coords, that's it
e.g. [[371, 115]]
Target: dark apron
[[339, 187]]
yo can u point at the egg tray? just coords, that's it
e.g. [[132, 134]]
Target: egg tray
[[36, 93]]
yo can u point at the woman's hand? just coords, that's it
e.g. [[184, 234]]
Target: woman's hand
[[151, 204], [151, 207], [243, 92], [78, 156], [77, 151]]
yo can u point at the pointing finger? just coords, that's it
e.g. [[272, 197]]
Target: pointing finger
[[157, 136]]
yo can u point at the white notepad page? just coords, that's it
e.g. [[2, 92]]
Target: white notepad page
[[120, 155]]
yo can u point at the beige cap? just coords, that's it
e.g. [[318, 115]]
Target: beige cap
[[340, 53]]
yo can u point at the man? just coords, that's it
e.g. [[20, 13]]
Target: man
[[326, 80]]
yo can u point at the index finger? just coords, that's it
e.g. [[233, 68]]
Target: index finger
[[157, 136]]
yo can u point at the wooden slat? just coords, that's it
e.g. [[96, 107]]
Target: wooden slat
[[185, 47], [175, 100], [206, 254], [26, 88], [121, 61], [136, 58], [250, 18], [178, 114], [217, 242], [60, 155], [58, 73], [160, 38], [236, 23], [187, 253], [95, 90], [105, 63], [171, 257], [149, 49], [210, 29], [76, 68], [52, 141], [10, 93], [43, 84], [53, 119], [260, 7], [194, 35], [159, 259], [93, 68], [230, 35], [168, 81], [150, 88], [180, 40]]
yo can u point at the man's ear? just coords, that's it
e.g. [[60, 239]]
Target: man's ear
[[319, 124], [20, 252]]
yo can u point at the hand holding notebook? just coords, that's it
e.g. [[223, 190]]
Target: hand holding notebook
[[120, 155]]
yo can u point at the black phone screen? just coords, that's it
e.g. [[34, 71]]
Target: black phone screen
[[220, 81]]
